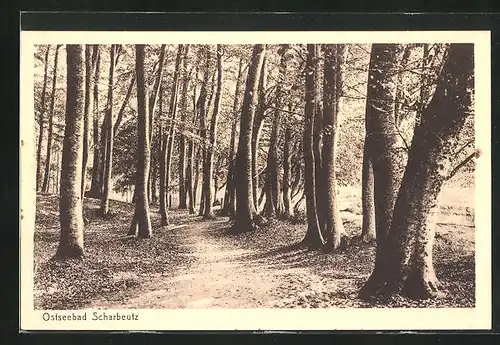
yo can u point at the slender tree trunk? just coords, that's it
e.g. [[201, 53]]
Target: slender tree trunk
[[182, 137], [408, 260], [202, 113], [51, 123], [313, 237], [208, 168], [272, 191], [96, 184], [229, 204], [367, 197], [163, 163], [86, 114], [189, 177], [141, 222], [245, 209], [70, 202], [41, 121], [257, 127], [121, 112], [287, 200], [173, 114], [108, 181], [197, 175], [332, 93]]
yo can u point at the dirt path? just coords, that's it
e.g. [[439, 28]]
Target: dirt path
[[221, 276]]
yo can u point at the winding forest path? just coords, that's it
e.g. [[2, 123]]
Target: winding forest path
[[222, 275]]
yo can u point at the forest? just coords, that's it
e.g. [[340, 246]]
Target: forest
[[287, 175]]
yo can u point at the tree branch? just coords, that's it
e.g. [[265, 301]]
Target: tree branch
[[473, 155]]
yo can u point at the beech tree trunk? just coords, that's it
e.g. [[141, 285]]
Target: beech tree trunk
[[96, 184], [271, 208], [287, 199], [163, 164], [182, 137], [141, 222], [257, 127], [383, 144], [48, 157], [367, 197], [313, 237], [408, 266], [70, 201], [332, 93], [208, 168], [173, 115], [108, 181], [229, 197], [245, 208], [86, 114], [41, 121]]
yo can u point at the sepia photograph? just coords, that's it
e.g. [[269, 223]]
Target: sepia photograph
[[323, 180]]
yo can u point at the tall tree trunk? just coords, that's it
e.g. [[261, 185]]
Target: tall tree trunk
[[202, 113], [245, 208], [141, 222], [182, 137], [173, 114], [313, 237], [70, 201], [229, 204], [257, 127], [41, 121], [332, 93], [367, 197], [208, 168], [86, 114], [408, 260], [163, 163], [96, 184], [189, 176], [45, 185], [121, 112], [287, 200], [272, 190], [383, 143], [108, 181]]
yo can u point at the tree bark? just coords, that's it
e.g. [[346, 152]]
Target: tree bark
[[41, 121], [257, 127], [182, 137], [108, 181], [367, 198], [86, 114], [70, 201], [141, 222], [287, 200], [245, 208], [313, 237], [332, 93], [96, 184], [229, 203], [271, 208], [408, 260], [173, 115], [163, 164], [208, 168], [45, 186]]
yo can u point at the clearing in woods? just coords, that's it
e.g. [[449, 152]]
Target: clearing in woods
[[196, 263]]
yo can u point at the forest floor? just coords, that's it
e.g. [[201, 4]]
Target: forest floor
[[196, 263]]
